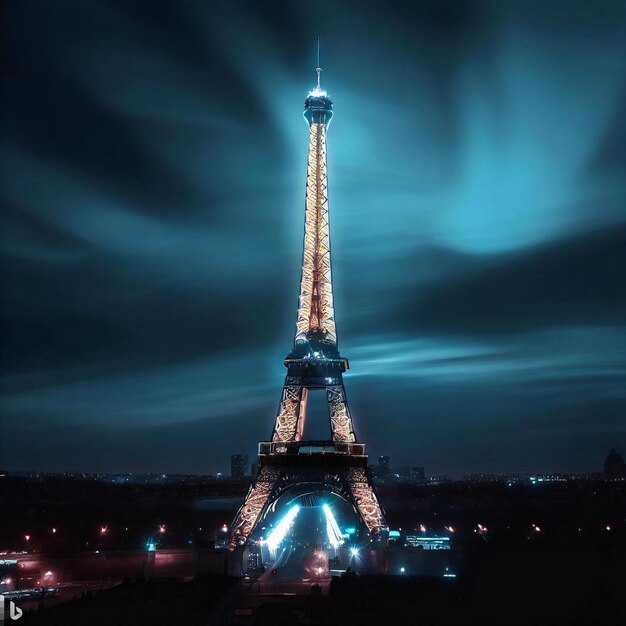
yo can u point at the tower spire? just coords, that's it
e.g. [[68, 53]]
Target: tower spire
[[318, 69]]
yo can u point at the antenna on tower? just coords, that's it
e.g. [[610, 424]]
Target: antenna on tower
[[318, 69]]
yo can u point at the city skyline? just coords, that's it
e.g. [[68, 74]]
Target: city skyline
[[153, 222], [226, 471]]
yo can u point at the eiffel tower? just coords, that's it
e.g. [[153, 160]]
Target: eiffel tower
[[338, 465]]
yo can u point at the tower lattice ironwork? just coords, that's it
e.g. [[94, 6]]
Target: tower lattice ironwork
[[339, 464]]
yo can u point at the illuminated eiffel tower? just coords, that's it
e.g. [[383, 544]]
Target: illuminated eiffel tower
[[286, 462]]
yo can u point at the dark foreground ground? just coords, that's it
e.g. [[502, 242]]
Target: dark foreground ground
[[355, 600], [140, 602]]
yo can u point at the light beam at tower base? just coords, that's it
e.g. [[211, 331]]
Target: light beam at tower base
[[275, 538], [332, 529]]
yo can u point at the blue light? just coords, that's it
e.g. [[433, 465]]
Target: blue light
[[394, 533], [350, 531], [277, 535], [332, 529]]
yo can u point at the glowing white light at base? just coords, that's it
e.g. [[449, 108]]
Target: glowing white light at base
[[332, 529], [277, 535]]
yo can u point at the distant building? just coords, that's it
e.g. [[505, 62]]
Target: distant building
[[423, 542], [383, 466], [238, 466], [614, 466], [417, 475]]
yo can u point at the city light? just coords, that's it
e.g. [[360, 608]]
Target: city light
[[422, 528], [450, 529], [54, 530], [27, 537], [162, 528], [277, 535], [354, 551], [104, 530], [402, 570], [332, 529]]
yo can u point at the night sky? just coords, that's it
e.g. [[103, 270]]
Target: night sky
[[153, 169]]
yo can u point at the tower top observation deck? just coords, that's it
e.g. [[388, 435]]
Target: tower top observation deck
[[318, 107]]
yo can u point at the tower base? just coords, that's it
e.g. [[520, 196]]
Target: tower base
[[337, 467]]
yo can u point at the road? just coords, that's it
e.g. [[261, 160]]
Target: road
[[288, 575]]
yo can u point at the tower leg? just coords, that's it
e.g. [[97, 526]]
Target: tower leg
[[254, 504], [291, 413], [340, 420], [361, 491]]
